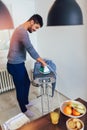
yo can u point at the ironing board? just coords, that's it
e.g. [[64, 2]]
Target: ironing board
[[43, 80]]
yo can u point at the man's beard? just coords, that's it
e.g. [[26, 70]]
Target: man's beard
[[29, 31]]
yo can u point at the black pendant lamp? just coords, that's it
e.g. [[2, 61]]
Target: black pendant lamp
[[65, 12], [6, 21]]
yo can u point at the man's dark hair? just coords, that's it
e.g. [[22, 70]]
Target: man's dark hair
[[37, 19]]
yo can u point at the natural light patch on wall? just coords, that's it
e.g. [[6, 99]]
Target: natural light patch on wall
[[4, 39]]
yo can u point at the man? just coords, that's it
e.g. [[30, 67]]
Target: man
[[19, 44]]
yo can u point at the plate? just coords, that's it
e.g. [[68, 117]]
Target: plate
[[65, 103]]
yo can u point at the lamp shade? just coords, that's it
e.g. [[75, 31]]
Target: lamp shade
[[65, 12], [6, 21]]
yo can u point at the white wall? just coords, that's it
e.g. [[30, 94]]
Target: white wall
[[66, 46]]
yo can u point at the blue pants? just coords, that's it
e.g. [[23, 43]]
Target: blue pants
[[22, 83]]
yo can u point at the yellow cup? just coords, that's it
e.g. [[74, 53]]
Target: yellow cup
[[54, 117]]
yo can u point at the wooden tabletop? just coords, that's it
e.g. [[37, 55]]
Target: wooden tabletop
[[44, 122]]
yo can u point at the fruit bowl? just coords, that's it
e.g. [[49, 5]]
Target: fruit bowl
[[73, 109]]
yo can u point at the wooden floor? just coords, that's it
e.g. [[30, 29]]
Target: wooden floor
[[9, 106]]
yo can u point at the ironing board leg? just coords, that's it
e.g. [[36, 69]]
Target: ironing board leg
[[44, 94], [47, 92]]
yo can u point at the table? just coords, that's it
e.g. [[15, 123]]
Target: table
[[44, 122]]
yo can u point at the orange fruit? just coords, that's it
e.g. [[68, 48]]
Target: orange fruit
[[67, 110], [75, 113]]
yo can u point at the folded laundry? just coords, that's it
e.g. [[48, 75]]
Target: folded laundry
[[52, 68]]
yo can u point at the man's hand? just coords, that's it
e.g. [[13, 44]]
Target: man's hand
[[41, 61]]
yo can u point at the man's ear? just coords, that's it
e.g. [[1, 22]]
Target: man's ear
[[32, 22]]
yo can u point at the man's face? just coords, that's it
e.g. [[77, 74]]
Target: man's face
[[33, 27]]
